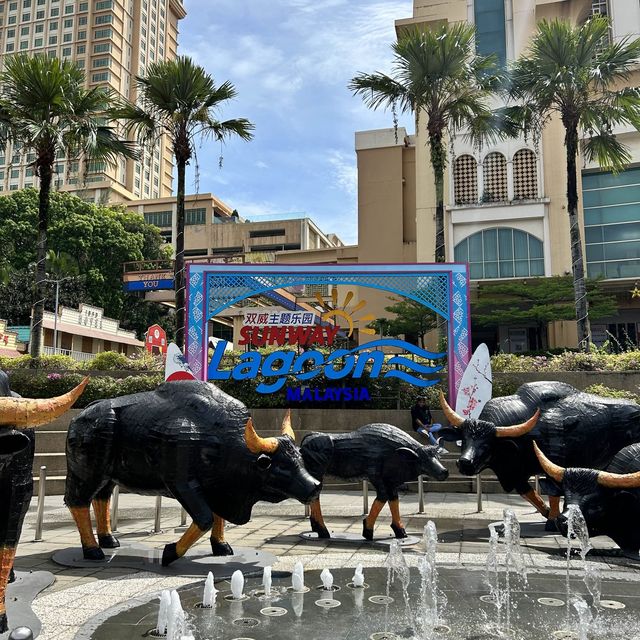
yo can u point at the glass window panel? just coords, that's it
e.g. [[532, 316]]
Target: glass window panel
[[615, 232], [623, 213], [595, 269], [475, 271], [490, 269], [595, 252], [536, 250], [490, 29], [506, 269], [593, 234], [490, 241], [475, 248], [462, 252], [622, 250], [607, 197], [537, 268], [626, 269], [605, 179], [522, 268], [505, 241], [521, 245]]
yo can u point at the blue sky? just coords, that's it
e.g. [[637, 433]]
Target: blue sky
[[290, 61]]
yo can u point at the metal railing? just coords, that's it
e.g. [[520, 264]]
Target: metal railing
[[79, 356]]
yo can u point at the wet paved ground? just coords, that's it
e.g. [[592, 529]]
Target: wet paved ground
[[79, 594]]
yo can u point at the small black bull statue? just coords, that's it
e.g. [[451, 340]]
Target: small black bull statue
[[573, 428], [609, 500], [186, 440], [18, 418], [382, 454]]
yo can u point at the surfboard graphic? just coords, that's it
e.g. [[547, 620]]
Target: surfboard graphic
[[176, 367], [476, 384]]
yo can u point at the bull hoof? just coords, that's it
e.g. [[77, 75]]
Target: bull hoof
[[320, 529], [367, 533], [108, 542], [551, 525], [169, 554], [221, 549], [399, 532], [92, 553], [4, 625], [12, 576]]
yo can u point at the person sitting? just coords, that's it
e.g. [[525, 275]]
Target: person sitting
[[422, 422]]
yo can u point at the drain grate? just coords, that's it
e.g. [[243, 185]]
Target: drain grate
[[442, 629], [273, 611], [381, 599], [353, 586], [246, 622], [334, 587], [384, 635], [612, 604], [327, 603], [230, 598], [551, 602], [488, 598], [564, 634]]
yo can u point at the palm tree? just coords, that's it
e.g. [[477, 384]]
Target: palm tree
[[44, 108], [570, 72], [180, 99], [437, 74]]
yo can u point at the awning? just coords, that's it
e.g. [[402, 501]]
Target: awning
[[91, 332]]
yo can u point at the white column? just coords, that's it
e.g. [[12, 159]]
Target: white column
[[510, 185], [546, 242]]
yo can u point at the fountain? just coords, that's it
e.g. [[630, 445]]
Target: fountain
[[297, 578], [210, 592], [266, 581], [358, 577], [237, 585], [327, 580], [177, 619], [432, 599]]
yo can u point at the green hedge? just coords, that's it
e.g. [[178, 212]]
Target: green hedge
[[107, 361]]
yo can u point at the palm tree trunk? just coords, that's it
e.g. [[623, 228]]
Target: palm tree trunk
[[438, 164], [577, 258], [45, 174], [178, 269]]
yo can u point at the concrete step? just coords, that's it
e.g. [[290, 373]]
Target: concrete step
[[54, 485], [51, 441], [56, 464]]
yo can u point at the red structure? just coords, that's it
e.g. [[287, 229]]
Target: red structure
[[156, 340]]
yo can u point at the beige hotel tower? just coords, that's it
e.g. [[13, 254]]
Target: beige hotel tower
[[113, 41]]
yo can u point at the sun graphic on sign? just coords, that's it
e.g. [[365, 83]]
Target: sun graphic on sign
[[331, 310]]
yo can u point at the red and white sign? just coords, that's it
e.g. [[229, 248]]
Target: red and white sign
[[156, 340]]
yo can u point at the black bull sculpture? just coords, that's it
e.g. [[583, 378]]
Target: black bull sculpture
[[609, 500], [18, 417], [380, 453], [186, 440], [574, 429]]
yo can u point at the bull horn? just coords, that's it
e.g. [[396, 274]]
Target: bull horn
[[287, 429], [255, 443], [519, 429], [619, 480], [452, 417], [25, 413], [552, 470]]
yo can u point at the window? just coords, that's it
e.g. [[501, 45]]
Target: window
[[104, 19], [1, 175], [82, 21], [495, 178], [68, 23], [67, 37], [38, 42], [101, 62], [465, 179], [83, 6], [66, 52], [82, 35], [12, 20], [68, 9], [101, 77], [102, 33], [80, 63], [490, 29], [24, 31], [29, 173], [53, 26], [195, 216], [104, 4], [81, 49], [55, 12], [611, 223], [53, 39], [40, 28], [26, 4], [11, 33], [25, 17], [10, 47], [266, 233], [40, 14], [15, 173], [104, 47], [501, 253], [525, 175], [13, 6], [158, 218], [24, 45]]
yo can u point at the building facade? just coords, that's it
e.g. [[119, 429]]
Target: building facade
[[506, 203], [113, 41]]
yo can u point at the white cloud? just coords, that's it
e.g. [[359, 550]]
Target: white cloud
[[344, 172]]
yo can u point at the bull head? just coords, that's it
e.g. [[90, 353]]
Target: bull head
[[514, 431], [269, 446], [25, 413]]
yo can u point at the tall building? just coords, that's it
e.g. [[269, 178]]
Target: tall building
[[113, 41], [506, 203]]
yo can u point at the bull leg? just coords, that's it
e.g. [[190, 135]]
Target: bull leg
[[317, 521], [218, 545], [369, 522], [7, 555], [103, 523], [532, 497], [176, 550], [90, 548], [396, 521], [554, 513]]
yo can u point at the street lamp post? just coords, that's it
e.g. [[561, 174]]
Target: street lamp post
[[55, 313]]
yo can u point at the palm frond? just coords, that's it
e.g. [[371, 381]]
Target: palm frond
[[607, 151]]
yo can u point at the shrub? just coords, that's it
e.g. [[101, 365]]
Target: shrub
[[43, 362], [608, 392], [111, 360]]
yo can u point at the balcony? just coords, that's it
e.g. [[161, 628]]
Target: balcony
[[78, 356]]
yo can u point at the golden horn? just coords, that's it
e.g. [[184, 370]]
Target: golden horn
[[449, 413], [287, 429], [255, 443], [519, 429], [552, 470], [619, 480], [25, 413]]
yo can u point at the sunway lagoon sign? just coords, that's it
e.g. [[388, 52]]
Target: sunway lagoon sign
[[309, 340], [274, 327]]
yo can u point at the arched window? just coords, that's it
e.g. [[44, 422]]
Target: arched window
[[501, 253], [525, 175], [465, 180], [495, 178]]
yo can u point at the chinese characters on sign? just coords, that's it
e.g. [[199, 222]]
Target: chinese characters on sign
[[275, 316]]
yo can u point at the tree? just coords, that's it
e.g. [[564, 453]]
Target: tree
[[98, 238], [179, 99], [438, 75], [571, 72], [45, 108], [412, 319], [537, 301]]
